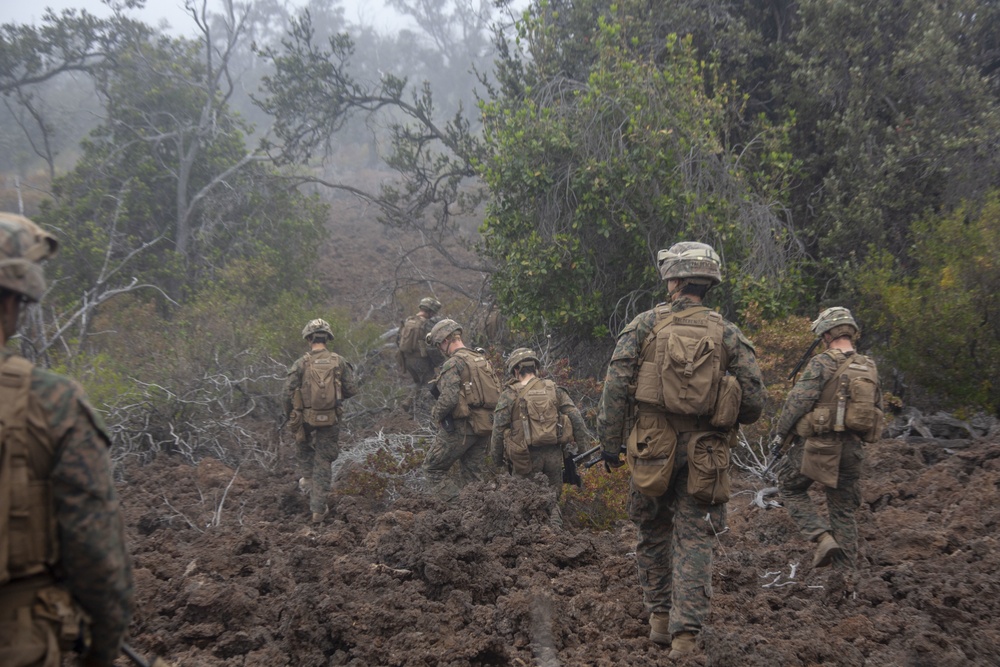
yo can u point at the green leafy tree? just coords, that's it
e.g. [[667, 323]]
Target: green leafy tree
[[591, 174], [940, 321]]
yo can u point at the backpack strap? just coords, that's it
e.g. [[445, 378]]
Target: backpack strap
[[15, 382]]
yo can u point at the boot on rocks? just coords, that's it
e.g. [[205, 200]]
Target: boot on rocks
[[826, 551], [658, 632], [684, 644]]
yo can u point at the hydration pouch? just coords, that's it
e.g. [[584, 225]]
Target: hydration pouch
[[727, 406]]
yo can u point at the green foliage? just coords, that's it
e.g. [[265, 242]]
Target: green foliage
[[600, 503], [940, 319], [591, 176]]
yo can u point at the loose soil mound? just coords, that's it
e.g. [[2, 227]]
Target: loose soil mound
[[229, 573]]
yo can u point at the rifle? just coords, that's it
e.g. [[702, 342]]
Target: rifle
[[776, 452], [140, 661], [805, 357]]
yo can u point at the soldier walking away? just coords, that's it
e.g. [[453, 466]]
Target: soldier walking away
[[536, 425], [466, 394], [316, 386], [828, 415], [679, 383], [65, 573], [415, 356]]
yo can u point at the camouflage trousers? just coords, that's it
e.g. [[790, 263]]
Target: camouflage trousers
[[841, 502], [674, 552], [548, 460], [314, 456], [461, 446], [421, 369]]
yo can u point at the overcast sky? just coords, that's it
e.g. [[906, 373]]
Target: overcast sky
[[361, 12]]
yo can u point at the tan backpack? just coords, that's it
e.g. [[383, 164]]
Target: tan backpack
[[687, 364], [480, 390], [411, 336], [856, 380], [28, 543], [538, 421], [321, 388]]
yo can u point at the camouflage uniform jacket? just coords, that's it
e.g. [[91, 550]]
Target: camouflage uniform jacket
[[433, 353], [449, 384], [614, 398], [504, 415], [293, 380], [806, 392], [93, 564]]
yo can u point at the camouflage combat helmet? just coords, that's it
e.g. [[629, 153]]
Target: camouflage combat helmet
[[317, 326], [430, 304], [442, 330], [23, 245], [519, 356], [836, 321], [693, 262]]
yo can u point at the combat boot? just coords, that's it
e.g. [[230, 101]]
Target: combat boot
[[827, 550], [683, 644], [658, 631]]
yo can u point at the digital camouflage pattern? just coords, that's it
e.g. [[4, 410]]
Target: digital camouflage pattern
[[614, 399], [320, 447], [94, 565], [461, 445], [808, 389], [843, 501], [421, 369], [676, 532]]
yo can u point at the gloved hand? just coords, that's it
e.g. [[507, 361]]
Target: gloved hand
[[775, 447], [611, 460]]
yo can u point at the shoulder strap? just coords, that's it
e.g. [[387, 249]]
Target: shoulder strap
[[15, 382]]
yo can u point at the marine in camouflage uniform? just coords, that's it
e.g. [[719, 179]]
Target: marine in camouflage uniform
[[841, 548], [421, 367], [317, 447], [66, 445], [455, 441], [546, 459], [676, 532]]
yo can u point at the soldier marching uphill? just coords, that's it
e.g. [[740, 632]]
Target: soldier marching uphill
[[680, 381]]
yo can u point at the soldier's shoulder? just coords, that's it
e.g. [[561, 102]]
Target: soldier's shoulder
[[63, 400], [732, 333]]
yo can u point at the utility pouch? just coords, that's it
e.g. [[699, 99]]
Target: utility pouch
[[517, 454], [820, 422], [481, 421], [319, 418], [860, 415], [67, 618], [874, 434], [651, 450], [708, 466], [648, 388], [461, 409], [821, 460], [727, 405]]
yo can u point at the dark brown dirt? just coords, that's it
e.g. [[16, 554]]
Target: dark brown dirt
[[486, 581]]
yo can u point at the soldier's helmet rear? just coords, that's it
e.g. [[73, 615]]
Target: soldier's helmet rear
[[442, 330], [836, 321], [697, 263], [23, 246], [519, 356], [317, 326], [430, 304]]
